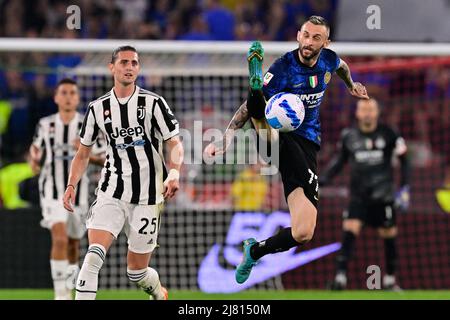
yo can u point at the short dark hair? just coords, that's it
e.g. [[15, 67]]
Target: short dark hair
[[65, 81], [120, 49], [319, 21]]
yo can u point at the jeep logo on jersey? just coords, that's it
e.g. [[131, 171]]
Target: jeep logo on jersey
[[128, 132]]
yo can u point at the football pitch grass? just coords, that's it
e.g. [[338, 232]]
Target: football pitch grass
[[47, 294]]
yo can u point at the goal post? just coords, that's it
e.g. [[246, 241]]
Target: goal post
[[202, 228]]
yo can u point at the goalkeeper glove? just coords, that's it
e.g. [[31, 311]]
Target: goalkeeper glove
[[402, 198]]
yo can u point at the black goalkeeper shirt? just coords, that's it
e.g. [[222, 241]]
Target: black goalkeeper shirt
[[370, 159]]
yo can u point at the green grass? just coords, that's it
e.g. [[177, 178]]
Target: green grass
[[46, 294]]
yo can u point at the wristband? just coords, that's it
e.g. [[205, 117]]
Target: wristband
[[174, 174], [70, 185]]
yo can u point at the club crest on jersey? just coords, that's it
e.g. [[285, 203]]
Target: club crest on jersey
[[327, 77], [313, 82], [141, 112], [369, 144]]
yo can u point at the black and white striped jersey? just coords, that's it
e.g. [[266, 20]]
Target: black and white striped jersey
[[56, 142], [134, 170]]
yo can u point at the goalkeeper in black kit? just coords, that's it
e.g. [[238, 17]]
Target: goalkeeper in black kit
[[369, 148]]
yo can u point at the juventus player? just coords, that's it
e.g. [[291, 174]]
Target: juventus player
[[54, 144], [134, 180], [369, 148]]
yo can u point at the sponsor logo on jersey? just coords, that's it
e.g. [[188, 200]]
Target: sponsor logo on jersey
[[136, 143], [128, 132], [312, 100], [369, 156]]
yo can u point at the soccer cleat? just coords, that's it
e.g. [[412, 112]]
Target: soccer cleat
[[255, 57], [339, 283], [245, 267], [163, 294], [389, 284]]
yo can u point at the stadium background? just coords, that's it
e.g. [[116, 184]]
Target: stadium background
[[206, 80]]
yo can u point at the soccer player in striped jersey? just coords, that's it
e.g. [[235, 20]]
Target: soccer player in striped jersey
[[134, 182], [54, 146]]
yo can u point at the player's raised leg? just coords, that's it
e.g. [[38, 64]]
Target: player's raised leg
[[256, 102]]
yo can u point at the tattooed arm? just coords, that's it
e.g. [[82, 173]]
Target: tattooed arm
[[239, 119], [356, 89]]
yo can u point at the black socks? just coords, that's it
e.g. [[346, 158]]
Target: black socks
[[348, 239], [390, 251], [282, 241], [256, 104]]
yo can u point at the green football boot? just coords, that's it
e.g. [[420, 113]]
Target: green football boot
[[255, 57], [245, 267]]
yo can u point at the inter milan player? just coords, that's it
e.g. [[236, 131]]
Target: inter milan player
[[369, 148], [305, 71]]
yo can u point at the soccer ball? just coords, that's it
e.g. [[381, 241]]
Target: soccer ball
[[285, 112]]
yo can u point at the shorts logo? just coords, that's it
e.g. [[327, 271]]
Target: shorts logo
[[267, 78]]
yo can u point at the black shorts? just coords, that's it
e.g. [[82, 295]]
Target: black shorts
[[298, 165], [377, 215]]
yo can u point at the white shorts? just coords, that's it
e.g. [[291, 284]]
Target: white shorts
[[53, 212], [139, 222]]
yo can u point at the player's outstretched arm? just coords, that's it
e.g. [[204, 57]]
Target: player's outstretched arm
[[77, 169], [239, 119], [175, 152], [356, 89]]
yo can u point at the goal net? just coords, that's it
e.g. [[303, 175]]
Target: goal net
[[220, 204]]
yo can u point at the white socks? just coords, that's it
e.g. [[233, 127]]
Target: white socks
[[87, 282], [59, 275], [148, 280], [72, 275]]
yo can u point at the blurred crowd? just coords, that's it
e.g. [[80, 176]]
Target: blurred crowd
[[162, 19], [415, 100]]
